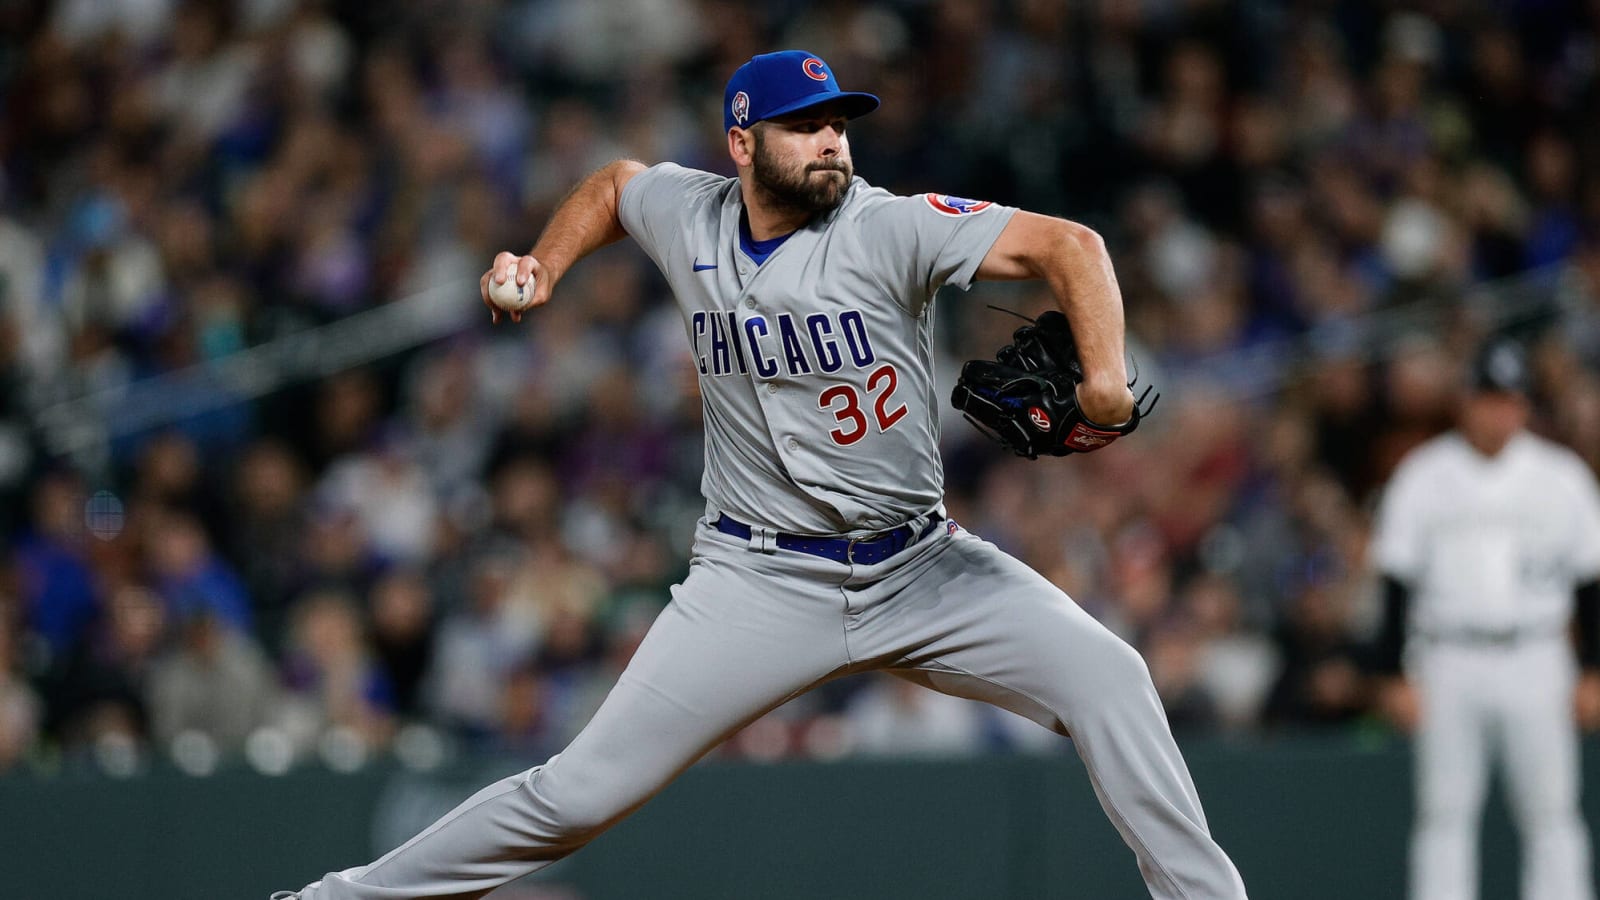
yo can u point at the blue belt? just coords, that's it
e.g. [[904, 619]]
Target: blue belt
[[860, 551]]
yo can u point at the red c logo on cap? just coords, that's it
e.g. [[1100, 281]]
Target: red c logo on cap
[[813, 69]]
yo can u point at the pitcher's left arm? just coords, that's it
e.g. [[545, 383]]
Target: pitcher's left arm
[[1072, 258]]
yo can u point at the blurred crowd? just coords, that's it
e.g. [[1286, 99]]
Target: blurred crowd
[[460, 545]]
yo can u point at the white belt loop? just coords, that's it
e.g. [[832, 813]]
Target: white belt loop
[[763, 540]]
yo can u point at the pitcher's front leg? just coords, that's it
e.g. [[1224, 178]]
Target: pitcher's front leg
[[990, 628]]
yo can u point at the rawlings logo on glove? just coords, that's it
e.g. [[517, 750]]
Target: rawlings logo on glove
[[1026, 398]]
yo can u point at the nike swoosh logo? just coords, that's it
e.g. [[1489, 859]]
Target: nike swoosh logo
[[698, 267]]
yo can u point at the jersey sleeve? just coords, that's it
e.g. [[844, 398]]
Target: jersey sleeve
[[926, 241], [1397, 541], [655, 204]]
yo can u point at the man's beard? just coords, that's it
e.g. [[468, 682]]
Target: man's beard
[[800, 191]]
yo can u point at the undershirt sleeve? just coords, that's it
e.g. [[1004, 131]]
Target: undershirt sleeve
[[1586, 609], [1391, 641]]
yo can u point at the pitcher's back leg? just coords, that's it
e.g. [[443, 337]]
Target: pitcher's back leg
[[732, 645]]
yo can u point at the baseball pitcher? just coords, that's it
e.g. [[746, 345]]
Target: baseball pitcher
[[807, 301]]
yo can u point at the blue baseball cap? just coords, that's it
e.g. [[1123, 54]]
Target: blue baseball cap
[[775, 84]]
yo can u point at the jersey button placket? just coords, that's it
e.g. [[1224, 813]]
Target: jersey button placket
[[772, 387], [792, 444]]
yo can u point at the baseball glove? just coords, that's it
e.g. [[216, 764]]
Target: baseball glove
[[1026, 397]]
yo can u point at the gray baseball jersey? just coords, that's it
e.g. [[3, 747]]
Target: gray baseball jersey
[[817, 365], [817, 372]]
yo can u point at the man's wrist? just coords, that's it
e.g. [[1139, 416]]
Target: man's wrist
[[551, 265], [1105, 401]]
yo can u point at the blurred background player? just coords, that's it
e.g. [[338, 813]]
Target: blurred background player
[[1488, 540]]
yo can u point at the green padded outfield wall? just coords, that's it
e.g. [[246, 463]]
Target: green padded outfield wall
[[1304, 819]]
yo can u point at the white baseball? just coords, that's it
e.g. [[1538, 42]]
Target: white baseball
[[510, 296]]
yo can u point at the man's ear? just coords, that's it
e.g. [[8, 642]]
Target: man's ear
[[742, 146]]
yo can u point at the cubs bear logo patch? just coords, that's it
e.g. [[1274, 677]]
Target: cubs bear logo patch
[[741, 107], [944, 204]]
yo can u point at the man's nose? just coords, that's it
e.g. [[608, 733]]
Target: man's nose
[[830, 142]]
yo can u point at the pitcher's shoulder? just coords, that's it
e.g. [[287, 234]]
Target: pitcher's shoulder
[[683, 181], [868, 201], [862, 197]]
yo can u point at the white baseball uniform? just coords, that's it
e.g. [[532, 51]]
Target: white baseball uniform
[[1491, 549], [824, 551]]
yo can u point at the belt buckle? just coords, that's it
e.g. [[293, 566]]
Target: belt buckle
[[850, 549]]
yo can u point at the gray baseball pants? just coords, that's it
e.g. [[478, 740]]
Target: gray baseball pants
[[748, 630]]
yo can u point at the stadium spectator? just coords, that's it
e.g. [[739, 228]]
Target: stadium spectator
[[330, 675], [214, 681], [403, 620], [20, 707], [97, 691]]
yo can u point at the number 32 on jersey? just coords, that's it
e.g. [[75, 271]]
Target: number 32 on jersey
[[846, 404], [799, 346]]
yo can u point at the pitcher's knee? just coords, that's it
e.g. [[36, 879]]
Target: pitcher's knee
[[1118, 667], [576, 809], [1104, 680]]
